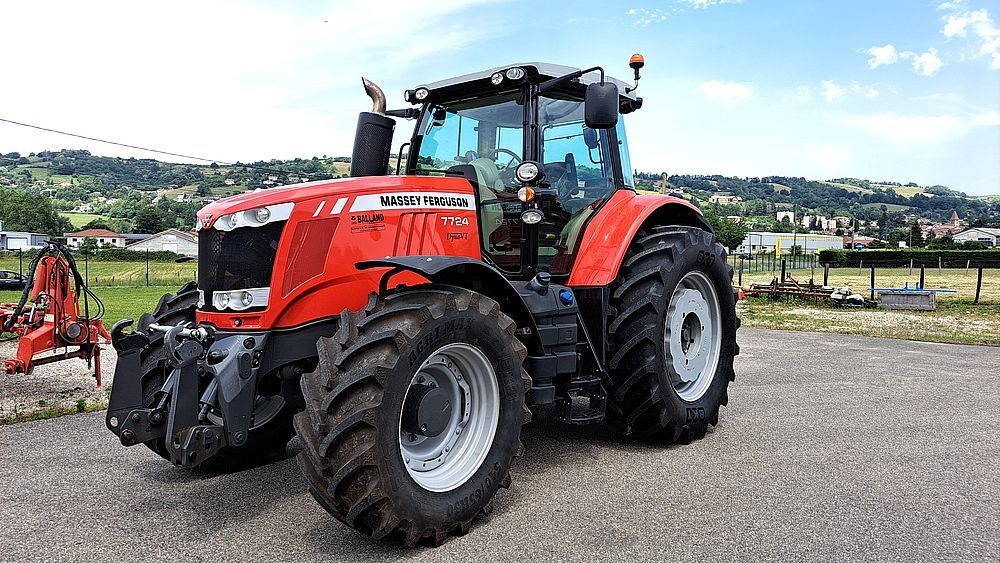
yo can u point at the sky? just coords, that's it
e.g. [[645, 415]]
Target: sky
[[887, 90]]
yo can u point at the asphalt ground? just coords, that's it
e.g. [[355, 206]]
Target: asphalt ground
[[833, 448]]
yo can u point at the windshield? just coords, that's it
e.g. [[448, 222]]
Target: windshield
[[461, 133]]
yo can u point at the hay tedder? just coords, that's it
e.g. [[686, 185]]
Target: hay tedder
[[48, 317], [406, 325]]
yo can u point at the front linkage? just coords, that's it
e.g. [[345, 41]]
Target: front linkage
[[181, 415]]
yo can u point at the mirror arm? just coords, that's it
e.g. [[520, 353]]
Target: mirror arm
[[556, 82], [408, 113]]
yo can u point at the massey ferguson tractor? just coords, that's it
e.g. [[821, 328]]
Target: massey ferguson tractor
[[406, 325]]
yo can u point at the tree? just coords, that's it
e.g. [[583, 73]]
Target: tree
[[148, 220], [88, 245], [916, 235], [21, 211], [729, 233], [943, 243]]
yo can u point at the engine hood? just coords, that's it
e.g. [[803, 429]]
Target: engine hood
[[310, 191]]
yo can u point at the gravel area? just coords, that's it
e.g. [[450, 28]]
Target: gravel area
[[59, 385], [833, 448]]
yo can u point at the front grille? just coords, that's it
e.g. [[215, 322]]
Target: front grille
[[237, 259]]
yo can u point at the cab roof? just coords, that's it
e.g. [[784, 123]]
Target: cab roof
[[475, 82]]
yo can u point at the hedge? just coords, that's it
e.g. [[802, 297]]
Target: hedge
[[111, 255], [947, 258]]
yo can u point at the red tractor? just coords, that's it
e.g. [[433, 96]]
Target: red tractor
[[406, 325]]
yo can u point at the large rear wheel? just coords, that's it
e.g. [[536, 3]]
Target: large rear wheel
[[414, 413], [673, 335]]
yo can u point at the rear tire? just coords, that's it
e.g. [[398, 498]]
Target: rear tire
[[362, 458], [673, 335], [264, 444]]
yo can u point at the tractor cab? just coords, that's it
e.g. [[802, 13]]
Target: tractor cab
[[488, 126]]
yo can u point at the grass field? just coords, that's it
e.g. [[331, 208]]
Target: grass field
[[119, 274], [956, 320], [121, 302], [81, 219], [894, 207]]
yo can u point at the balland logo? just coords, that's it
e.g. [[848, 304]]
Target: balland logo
[[412, 200]]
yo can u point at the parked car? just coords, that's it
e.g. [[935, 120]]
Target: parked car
[[12, 280]]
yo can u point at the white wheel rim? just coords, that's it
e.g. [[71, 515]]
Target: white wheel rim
[[692, 336], [445, 461]]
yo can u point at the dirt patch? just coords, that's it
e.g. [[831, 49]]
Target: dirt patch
[[53, 389]]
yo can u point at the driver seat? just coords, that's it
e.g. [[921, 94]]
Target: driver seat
[[487, 183]]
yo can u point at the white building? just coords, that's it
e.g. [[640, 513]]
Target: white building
[[20, 240], [100, 236], [756, 242], [170, 240], [987, 236]]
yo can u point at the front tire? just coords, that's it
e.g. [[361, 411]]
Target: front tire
[[266, 441], [673, 335], [413, 414]]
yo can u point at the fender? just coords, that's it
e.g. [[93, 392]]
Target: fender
[[465, 272], [609, 233]]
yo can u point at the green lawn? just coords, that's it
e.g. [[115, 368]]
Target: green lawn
[[81, 219], [121, 302], [119, 274]]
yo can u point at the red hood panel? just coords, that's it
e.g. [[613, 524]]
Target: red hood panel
[[342, 186]]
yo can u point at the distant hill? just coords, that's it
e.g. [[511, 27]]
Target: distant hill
[[83, 187]]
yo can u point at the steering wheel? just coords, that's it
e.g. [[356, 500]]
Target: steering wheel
[[513, 157]]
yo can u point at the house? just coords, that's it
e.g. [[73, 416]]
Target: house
[[20, 240], [790, 215], [100, 236], [853, 242], [725, 199], [988, 236], [170, 240], [952, 227]]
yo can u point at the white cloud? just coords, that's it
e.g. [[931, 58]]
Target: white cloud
[[866, 91], [803, 95], [885, 55], [926, 64], [981, 32], [641, 17], [225, 79], [909, 129], [916, 129], [728, 92], [702, 4], [987, 119], [832, 92]]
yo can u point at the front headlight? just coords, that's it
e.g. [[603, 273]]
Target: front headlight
[[262, 214], [528, 172]]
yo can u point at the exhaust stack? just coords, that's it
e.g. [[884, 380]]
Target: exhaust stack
[[373, 138]]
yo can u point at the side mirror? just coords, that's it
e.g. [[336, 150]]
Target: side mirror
[[601, 105], [591, 137]]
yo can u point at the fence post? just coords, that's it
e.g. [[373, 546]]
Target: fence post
[[826, 274], [979, 284], [873, 283], [20, 261], [783, 266], [740, 283], [922, 275], [147, 267], [911, 267]]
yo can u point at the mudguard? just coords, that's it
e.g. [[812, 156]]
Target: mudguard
[[609, 233]]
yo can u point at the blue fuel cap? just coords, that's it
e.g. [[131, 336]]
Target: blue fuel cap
[[566, 296]]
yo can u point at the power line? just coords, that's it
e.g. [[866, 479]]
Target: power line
[[147, 149], [78, 136]]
